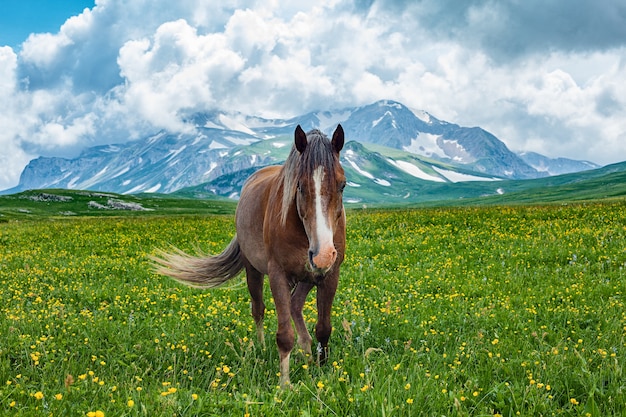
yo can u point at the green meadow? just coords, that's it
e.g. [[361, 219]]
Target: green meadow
[[493, 311]]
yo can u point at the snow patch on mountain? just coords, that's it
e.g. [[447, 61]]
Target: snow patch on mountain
[[121, 172], [217, 145], [425, 144], [156, 137], [153, 189], [457, 152], [377, 121], [174, 152], [415, 171], [454, 176], [72, 183], [232, 124], [422, 115], [390, 103], [111, 149], [350, 154], [240, 141], [211, 125], [258, 122], [211, 168], [139, 188]]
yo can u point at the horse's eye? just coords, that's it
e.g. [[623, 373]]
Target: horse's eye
[[342, 185]]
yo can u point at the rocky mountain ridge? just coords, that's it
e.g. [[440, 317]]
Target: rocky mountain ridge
[[408, 143]]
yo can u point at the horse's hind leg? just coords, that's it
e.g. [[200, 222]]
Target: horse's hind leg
[[298, 298], [254, 279]]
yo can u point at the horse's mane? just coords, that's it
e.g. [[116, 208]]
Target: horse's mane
[[318, 152]]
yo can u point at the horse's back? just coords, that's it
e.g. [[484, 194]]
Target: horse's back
[[250, 216]]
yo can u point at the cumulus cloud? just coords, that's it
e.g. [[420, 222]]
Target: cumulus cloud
[[176, 70], [546, 77]]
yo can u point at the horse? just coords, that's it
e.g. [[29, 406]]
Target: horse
[[290, 225]]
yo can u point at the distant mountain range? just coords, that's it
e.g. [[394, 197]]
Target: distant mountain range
[[392, 152]]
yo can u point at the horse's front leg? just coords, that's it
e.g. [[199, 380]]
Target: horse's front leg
[[325, 296], [298, 298], [281, 292]]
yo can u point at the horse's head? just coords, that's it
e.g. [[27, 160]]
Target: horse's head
[[319, 193]]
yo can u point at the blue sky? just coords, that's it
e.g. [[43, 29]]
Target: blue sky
[[20, 18], [542, 76]]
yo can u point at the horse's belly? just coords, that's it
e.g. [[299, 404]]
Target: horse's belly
[[250, 216], [254, 252]]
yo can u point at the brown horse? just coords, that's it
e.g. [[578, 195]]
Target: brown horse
[[291, 226]]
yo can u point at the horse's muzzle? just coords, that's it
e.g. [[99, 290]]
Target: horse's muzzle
[[323, 260]]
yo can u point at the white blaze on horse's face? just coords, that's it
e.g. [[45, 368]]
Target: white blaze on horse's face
[[314, 202], [322, 253], [320, 185]]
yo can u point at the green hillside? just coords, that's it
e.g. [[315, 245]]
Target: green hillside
[[70, 203]]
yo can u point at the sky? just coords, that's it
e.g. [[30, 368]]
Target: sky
[[20, 18], [543, 76]]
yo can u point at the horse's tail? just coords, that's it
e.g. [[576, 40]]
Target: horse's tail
[[200, 271]]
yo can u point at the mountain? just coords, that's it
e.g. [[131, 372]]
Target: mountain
[[393, 124], [392, 146], [555, 166], [160, 163], [376, 174]]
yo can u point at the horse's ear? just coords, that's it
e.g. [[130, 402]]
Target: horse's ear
[[300, 139], [337, 141]]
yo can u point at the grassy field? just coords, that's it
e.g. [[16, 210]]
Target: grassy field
[[457, 312]]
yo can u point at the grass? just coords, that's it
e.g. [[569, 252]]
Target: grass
[[456, 311]]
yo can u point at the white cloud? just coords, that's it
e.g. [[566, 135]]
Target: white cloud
[[12, 157], [41, 49], [176, 70], [126, 69], [55, 134], [8, 65]]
